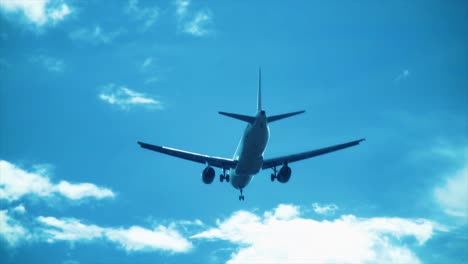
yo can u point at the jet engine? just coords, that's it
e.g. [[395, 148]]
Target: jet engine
[[284, 174], [208, 175]]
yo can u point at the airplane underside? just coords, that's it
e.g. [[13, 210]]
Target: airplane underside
[[248, 158]]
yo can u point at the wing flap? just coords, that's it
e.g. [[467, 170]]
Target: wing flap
[[270, 163], [200, 158]]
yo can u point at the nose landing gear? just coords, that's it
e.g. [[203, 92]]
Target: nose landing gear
[[241, 196]]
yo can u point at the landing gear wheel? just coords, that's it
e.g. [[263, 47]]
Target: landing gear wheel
[[273, 176], [221, 178], [227, 177], [241, 196]]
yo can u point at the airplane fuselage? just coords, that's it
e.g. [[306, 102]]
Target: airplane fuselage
[[249, 152]]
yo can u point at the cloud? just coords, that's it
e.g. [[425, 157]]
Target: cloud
[[50, 63], [95, 35], [134, 238], [403, 75], [279, 237], [160, 238], [37, 12], [452, 195], [147, 15], [182, 7], [125, 98], [16, 183], [326, 209], [10, 230], [147, 63], [19, 209], [195, 24]]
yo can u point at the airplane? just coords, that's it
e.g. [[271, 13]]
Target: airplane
[[248, 158]]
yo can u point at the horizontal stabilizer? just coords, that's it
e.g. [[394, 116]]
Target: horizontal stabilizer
[[245, 118], [278, 117]]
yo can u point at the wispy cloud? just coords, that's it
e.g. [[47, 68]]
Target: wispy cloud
[[37, 12], [279, 237], [16, 183], [146, 63], [49, 63], [193, 23], [11, 230], [198, 25], [326, 209], [452, 194], [146, 15], [125, 98], [95, 35], [52, 230], [403, 75]]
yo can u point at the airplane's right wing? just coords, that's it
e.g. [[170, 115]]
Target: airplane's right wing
[[222, 163], [270, 163]]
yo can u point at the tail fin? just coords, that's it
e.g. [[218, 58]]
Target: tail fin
[[259, 94], [278, 117]]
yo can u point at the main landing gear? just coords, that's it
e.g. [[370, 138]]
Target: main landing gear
[[224, 176], [274, 175], [241, 196]]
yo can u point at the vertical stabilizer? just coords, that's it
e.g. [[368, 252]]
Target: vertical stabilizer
[[259, 95]]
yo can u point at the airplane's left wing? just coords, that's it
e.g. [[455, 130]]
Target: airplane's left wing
[[270, 163], [200, 158]]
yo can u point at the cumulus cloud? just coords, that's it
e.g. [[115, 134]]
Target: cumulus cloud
[[125, 98], [326, 209], [95, 35], [49, 63], [134, 238], [146, 15], [16, 183], [193, 23], [37, 12], [283, 236]]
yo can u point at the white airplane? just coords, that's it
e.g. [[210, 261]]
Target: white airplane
[[248, 158]]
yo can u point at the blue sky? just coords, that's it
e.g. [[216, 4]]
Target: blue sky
[[82, 81]]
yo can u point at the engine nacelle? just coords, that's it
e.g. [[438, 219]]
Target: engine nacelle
[[208, 175], [284, 174]]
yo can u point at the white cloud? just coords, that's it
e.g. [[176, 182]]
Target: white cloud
[[181, 7], [16, 183], [194, 24], [326, 209], [160, 238], [134, 238], [50, 63], [76, 191], [11, 230], [197, 26], [275, 238], [452, 195], [126, 98], [19, 209], [68, 229], [147, 15], [95, 35], [37, 12], [403, 75]]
